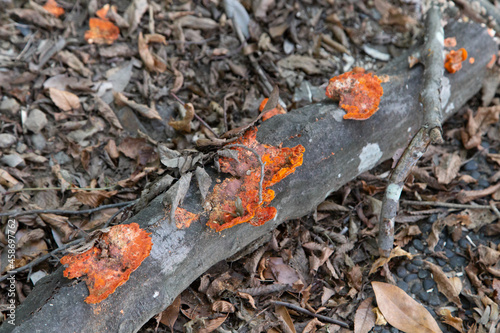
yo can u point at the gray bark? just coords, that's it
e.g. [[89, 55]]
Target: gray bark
[[178, 257]]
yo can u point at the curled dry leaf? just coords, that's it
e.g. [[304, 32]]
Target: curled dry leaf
[[448, 319], [244, 186], [364, 319], [170, 314], [402, 311], [270, 113], [101, 31], [453, 60], [223, 306], [152, 62], [105, 110], [359, 93], [184, 125], [144, 110], [450, 288], [108, 264], [478, 124], [285, 319], [52, 7], [64, 100], [395, 252]]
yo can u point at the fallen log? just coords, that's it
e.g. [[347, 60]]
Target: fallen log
[[336, 151]]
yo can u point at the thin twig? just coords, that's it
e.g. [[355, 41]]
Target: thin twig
[[118, 212], [196, 116], [444, 204], [67, 212], [307, 312], [431, 55], [40, 259], [262, 165], [60, 188]]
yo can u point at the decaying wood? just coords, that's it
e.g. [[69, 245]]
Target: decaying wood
[[336, 151]]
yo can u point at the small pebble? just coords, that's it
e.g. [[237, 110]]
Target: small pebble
[[426, 227], [62, 158], [7, 140], [449, 244], [475, 174], [377, 328], [446, 269], [485, 144], [403, 285], [417, 262], [413, 250], [449, 254], [441, 262], [9, 106], [483, 183], [416, 288], [411, 268], [401, 271], [394, 330], [411, 277], [422, 274], [470, 166], [417, 243], [386, 331], [433, 218], [463, 243], [38, 141], [429, 284], [458, 261], [434, 300], [423, 296], [36, 121]]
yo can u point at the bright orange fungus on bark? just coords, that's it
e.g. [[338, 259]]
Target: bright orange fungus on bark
[[109, 263], [271, 113], [52, 7], [359, 93], [236, 199], [453, 60], [184, 218], [101, 32]]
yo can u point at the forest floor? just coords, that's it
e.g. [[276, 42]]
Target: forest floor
[[82, 112]]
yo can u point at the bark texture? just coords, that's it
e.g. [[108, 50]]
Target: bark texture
[[336, 151]]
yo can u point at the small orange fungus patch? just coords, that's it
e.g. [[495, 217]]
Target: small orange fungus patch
[[101, 32], [52, 7], [101, 13], [271, 113], [183, 218], [453, 60], [472, 60], [359, 93], [109, 263], [450, 42], [236, 199]]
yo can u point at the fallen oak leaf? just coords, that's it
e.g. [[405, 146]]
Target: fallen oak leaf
[[395, 252], [364, 319], [184, 125], [64, 100], [101, 32], [109, 263], [448, 319], [402, 311], [359, 93]]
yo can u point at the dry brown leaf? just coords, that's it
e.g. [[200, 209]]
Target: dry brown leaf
[[488, 256], [478, 124], [402, 311], [312, 326], [475, 219], [72, 61], [144, 110], [170, 314], [152, 62], [380, 319], [107, 112], [355, 277], [364, 319], [285, 319], [247, 297], [64, 100], [134, 13], [450, 221], [7, 180], [212, 324], [93, 198], [450, 288], [448, 168], [60, 224], [448, 319], [396, 252], [466, 196], [223, 306]]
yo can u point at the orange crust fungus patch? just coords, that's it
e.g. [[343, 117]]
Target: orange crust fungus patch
[[359, 93], [184, 218], [453, 60], [236, 199], [101, 32], [108, 264], [271, 113], [53, 8]]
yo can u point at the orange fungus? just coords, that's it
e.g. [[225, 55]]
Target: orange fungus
[[108, 264], [359, 93], [183, 218], [52, 7], [271, 113], [453, 60], [236, 200], [101, 32]]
